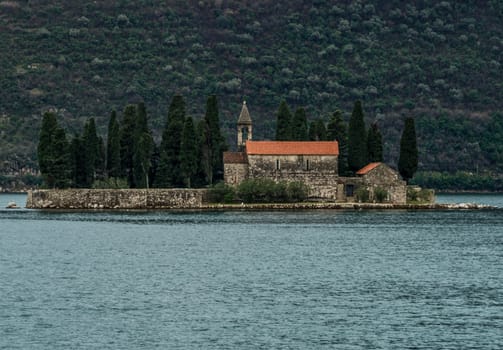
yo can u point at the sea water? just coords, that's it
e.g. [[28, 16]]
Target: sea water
[[251, 280]]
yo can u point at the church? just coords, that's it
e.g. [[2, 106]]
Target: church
[[315, 163]]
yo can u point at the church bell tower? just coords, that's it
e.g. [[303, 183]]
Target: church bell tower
[[244, 127]]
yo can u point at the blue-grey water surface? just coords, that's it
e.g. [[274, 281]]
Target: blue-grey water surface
[[251, 280]]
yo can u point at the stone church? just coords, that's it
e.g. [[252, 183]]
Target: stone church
[[315, 163]]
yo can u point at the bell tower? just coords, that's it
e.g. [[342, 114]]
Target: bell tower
[[244, 127]]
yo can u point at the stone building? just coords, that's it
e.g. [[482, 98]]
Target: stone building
[[315, 163]]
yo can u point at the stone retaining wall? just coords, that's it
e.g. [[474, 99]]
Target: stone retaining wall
[[117, 199]]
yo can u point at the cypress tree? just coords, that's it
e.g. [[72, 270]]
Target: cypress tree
[[91, 152], [45, 146], [61, 171], [357, 152], [212, 143], [53, 153], [408, 160], [337, 130], [143, 147], [127, 132], [78, 162], [299, 125], [374, 144], [168, 174], [188, 153], [283, 123], [317, 131], [113, 147]]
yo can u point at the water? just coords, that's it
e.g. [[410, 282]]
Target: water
[[251, 280]]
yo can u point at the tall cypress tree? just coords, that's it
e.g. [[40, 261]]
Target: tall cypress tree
[[127, 132], [337, 130], [78, 162], [317, 130], [91, 152], [408, 160], [113, 147], [283, 123], [299, 125], [374, 144], [357, 152], [212, 143], [168, 174], [143, 147], [53, 153], [45, 146], [188, 153]]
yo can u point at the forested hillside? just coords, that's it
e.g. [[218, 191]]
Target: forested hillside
[[438, 61]]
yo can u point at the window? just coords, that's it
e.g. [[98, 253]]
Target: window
[[278, 164], [307, 165], [350, 189]]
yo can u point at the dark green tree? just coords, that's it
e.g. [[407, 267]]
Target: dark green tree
[[91, 150], [337, 129], [113, 147], [283, 123], [188, 153], [53, 153], [357, 152], [212, 143], [143, 147], [374, 144], [317, 130], [77, 155], [127, 133], [408, 160], [299, 125], [168, 173]]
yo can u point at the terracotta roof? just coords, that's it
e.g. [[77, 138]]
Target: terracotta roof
[[235, 158], [293, 147], [368, 168], [244, 116]]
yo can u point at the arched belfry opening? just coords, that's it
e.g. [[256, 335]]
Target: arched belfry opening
[[244, 127]]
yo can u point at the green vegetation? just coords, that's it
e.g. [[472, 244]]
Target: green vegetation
[[283, 123], [380, 195], [268, 191], [407, 163], [436, 61], [357, 139], [459, 181]]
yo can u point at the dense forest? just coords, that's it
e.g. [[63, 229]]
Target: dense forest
[[437, 61]]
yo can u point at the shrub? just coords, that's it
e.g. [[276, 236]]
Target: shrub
[[380, 195], [112, 182], [268, 191], [221, 193], [362, 195]]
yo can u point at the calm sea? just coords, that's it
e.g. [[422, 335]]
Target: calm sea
[[252, 280]]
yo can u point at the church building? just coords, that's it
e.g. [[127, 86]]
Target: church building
[[315, 163]]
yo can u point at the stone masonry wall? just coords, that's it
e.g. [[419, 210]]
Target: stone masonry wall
[[319, 173], [388, 179], [117, 199]]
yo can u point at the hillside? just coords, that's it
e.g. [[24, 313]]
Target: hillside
[[440, 62]]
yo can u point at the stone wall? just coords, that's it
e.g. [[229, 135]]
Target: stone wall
[[117, 199], [388, 179], [319, 173]]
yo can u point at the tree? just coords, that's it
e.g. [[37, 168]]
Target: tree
[[143, 147], [53, 153], [188, 152], [357, 152], [283, 123], [113, 159], [317, 131], [77, 162], [127, 132], [91, 152], [337, 130], [212, 143], [299, 125], [374, 144], [408, 160], [168, 174]]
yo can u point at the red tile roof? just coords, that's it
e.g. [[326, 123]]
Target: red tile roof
[[368, 168], [235, 158], [293, 147]]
